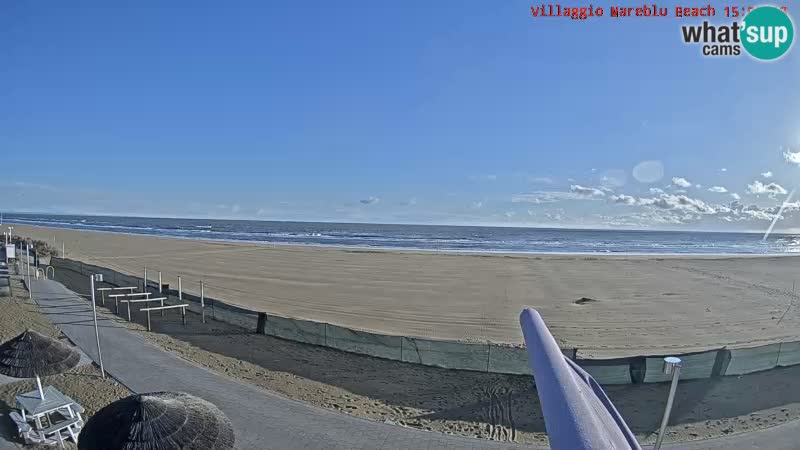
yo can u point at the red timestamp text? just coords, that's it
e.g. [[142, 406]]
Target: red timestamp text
[[741, 11]]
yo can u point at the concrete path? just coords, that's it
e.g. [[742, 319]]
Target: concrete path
[[265, 420], [781, 437]]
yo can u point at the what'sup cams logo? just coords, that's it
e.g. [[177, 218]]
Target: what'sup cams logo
[[766, 33]]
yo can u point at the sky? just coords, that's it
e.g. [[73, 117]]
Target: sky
[[447, 112]]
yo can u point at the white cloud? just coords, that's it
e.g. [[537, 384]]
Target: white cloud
[[681, 209], [770, 189], [586, 191], [698, 185], [667, 201], [476, 205], [767, 174], [656, 191], [541, 180], [718, 189], [724, 169], [736, 196], [539, 197], [624, 199], [510, 214], [29, 185], [410, 202], [681, 182], [370, 200], [681, 202], [791, 157], [613, 178]]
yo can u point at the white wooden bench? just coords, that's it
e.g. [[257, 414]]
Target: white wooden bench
[[162, 308], [139, 294], [125, 288], [56, 430], [23, 426], [41, 436], [141, 300], [102, 292], [116, 298]]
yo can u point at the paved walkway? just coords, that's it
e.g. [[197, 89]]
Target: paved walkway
[[781, 437], [264, 420]]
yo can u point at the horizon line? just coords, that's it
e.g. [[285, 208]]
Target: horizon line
[[532, 227]]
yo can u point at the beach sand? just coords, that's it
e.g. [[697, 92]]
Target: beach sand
[[84, 383], [473, 404], [640, 305]]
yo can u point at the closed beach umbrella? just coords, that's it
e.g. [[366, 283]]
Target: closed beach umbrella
[[158, 421], [578, 414], [31, 355]]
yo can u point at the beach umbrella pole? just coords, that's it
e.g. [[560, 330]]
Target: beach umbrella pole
[[28, 258], [39, 385]]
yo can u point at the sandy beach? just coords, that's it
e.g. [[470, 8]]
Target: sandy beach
[[603, 306], [462, 402]]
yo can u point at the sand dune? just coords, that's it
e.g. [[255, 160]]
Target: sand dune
[[636, 304]]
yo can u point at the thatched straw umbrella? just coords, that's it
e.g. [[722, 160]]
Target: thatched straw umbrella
[[31, 355], [158, 421]]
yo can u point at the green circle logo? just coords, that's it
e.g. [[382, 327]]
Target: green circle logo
[[767, 33]]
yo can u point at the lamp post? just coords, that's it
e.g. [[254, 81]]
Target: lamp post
[[672, 366], [92, 279]]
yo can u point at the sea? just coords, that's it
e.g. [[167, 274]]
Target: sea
[[431, 237]]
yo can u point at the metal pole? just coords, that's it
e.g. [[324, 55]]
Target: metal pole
[[96, 330], [145, 280], [63, 253], [159, 282], [203, 300], [28, 257], [672, 366], [39, 385], [180, 290]]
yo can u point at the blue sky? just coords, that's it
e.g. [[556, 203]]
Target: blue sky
[[459, 112]]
